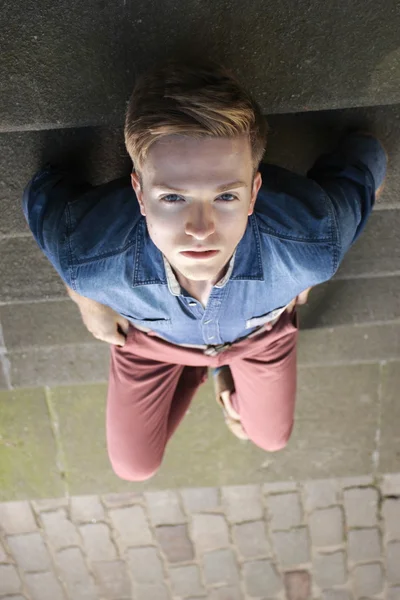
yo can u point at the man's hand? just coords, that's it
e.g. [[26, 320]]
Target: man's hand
[[102, 321], [300, 299]]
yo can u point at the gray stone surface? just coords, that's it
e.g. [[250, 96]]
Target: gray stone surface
[[391, 515], [94, 82], [29, 551], [393, 562], [297, 585], [175, 543], [320, 493], [9, 579], [251, 539], [113, 579], [389, 454], [292, 547], [368, 580], [75, 574], [326, 527], [361, 507], [210, 532], [86, 509], [97, 542], [60, 531], [44, 586], [186, 580], [220, 567], [261, 578], [197, 500], [284, 511], [131, 526], [164, 508], [17, 517], [243, 503], [330, 569], [364, 545], [145, 565]]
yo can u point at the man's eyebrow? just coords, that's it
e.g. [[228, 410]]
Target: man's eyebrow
[[221, 188]]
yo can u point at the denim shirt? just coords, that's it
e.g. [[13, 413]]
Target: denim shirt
[[301, 228]]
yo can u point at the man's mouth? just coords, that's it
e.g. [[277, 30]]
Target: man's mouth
[[200, 255]]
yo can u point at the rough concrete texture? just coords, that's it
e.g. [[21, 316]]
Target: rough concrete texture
[[75, 65], [49, 550]]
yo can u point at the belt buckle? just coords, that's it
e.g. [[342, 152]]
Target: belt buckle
[[215, 350]]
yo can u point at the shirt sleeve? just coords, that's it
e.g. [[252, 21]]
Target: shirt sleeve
[[350, 176]]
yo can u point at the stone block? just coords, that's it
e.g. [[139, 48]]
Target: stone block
[[360, 481], [336, 595], [297, 585], [28, 453], [29, 551], [60, 532], [145, 565], [220, 567], [186, 581], [175, 543], [326, 527], [75, 575], [44, 586], [224, 593], [390, 434], [9, 580], [284, 511], [364, 545], [251, 539], [368, 580], [390, 485], [86, 509], [49, 504], [164, 508], [292, 547], [197, 500], [155, 592], [243, 503], [393, 593], [209, 532], [330, 569], [261, 578], [97, 542], [361, 507], [112, 578], [17, 517], [391, 516], [131, 527], [320, 494], [279, 487], [393, 562], [4, 558], [122, 499]]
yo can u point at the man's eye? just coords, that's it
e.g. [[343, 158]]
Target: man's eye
[[171, 198], [231, 197]]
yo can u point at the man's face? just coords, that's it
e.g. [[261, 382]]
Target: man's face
[[185, 206]]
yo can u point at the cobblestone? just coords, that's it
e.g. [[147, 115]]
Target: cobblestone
[[391, 516], [49, 504], [155, 592], [97, 542], [326, 527], [145, 565], [131, 527], [284, 511], [251, 539], [292, 547], [225, 593], [9, 579], [391, 484], [197, 500], [336, 595], [75, 574], [164, 508], [17, 517], [393, 593], [364, 544], [59, 530], [330, 569], [243, 503], [297, 585], [361, 507], [123, 499], [44, 586], [209, 532], [393, 562], [175, 543], [261, 579], [86, 509], [29, 552], [220, 567], [113, 579], [186, 580], [3, 554], [320, 494], [368, 580]]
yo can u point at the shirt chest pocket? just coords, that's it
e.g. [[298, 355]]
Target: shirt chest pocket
[[155, 324], [266, 318]]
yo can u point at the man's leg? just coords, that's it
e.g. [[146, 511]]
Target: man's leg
[[146, 401]]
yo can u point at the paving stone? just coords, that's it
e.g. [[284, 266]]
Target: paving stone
[[336, 595], [225, 593], [297, 585], [4, 558], [122, 499], [368, 580], [44, 586], [220, 567], [261, 578], [209, 532], [9, 580], [164, 508], [29, 551], [28, 452], [361, 481], [364, 544], [320, 494], [243, 503], [279, 487], [17, 517], [86, 509], [145, 565], [113, 579], [393, 593], [292, 547], [284, 511], [391, 516], [49, 504], [97, 542], [251, 539], [175, 543], [326, 527], [330, 569], [12, 597], [393, 562], [59, 530], [361, 506], [155, 592], [390, 485], [197, 500], [186, 580], [131, 526], [75, 575]]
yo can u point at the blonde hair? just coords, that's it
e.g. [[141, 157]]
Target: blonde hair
[[198, 98]]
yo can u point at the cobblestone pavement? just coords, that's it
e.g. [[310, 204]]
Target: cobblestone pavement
[[326, 539]]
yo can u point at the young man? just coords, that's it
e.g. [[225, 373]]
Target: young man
[[199, 260]]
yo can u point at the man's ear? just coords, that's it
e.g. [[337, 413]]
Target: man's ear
[[256, 186], [138, 191]]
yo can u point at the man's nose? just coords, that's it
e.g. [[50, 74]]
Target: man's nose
[[200, 223]]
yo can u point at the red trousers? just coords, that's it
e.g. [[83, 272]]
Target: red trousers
[[152, 383]]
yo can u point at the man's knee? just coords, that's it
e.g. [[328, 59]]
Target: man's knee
[[272, 442], [134, 470]]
